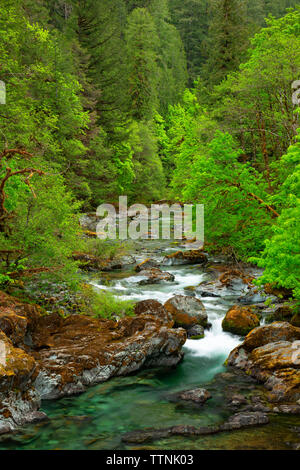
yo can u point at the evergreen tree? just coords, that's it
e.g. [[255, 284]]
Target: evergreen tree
[[227, 38], [100, 26], [171, 57], [190, 17], [143, 74]]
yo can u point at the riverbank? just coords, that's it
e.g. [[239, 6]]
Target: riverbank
[[104, 414]]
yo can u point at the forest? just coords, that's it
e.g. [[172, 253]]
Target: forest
[[187, 100], [190, 101]]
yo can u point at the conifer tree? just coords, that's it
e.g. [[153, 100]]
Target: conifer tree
[[191, 20], [100, 27], [227, 39], [142, 49]]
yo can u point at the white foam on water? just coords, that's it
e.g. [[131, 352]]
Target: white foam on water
[[216, 342], [99, 286], [146, 295]]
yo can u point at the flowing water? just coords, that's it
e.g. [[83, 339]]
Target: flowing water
[[98, 418]]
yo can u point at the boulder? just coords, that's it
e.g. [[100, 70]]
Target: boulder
[[230, 275], [186, 311], [13, 325], [279, 312], [197, 395], [93, 263], [237, 421], [280, 292], [253, 297], [232, 282], [66, 355], [19, 400], [240, 320], [276, 332], [237, 401], [203, 291], [271, 355], [120, 262], [78, 351], [147, 264], [287, 409], [155, 276], [155, 309], [245, 420], [195, 332], [185, 257], [295, 320], [21, 309]]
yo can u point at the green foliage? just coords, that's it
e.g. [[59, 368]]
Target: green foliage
[[171, 58], [44, 113], [149, 182], [234, 219], [96, 93], [188, 128], [99, 27], [281, 256], [257, 100], [43, 232], [102, 304], [142, 48], [110, 249], [227, 38], [191, 19]]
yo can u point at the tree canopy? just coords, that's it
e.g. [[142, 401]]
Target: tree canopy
[[190, 100]]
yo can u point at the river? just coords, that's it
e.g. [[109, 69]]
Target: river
[[97, 418]]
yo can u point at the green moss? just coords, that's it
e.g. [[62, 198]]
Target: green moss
[[197, 337], [231, 327]]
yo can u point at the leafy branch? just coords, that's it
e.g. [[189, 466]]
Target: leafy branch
[[9, 173]]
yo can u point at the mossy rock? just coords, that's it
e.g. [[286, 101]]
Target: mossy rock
[[295, 321], [281, 313], [186, 311], [190, 288], [197, 337], [240, 320]]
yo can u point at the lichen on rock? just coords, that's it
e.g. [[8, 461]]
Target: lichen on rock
[[186, 311], [271, 355], [60, 356], [240, 320]]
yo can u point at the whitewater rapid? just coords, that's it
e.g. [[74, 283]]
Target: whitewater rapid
[[216, 342]]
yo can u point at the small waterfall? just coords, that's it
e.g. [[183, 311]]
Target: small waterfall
[[216, 343]]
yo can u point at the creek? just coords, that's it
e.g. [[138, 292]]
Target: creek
[[97, 418]]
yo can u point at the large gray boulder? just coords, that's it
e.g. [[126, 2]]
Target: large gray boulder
[[187, 311]]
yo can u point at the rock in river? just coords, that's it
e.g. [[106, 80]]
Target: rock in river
[[185, 257], [240, 320], [147, 264], [271, 355], [95, 263], [197, 395], [19, 401], [237, 421], [195, 332], [155, 309], [187, 311], [155, 276], [65, 355]]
